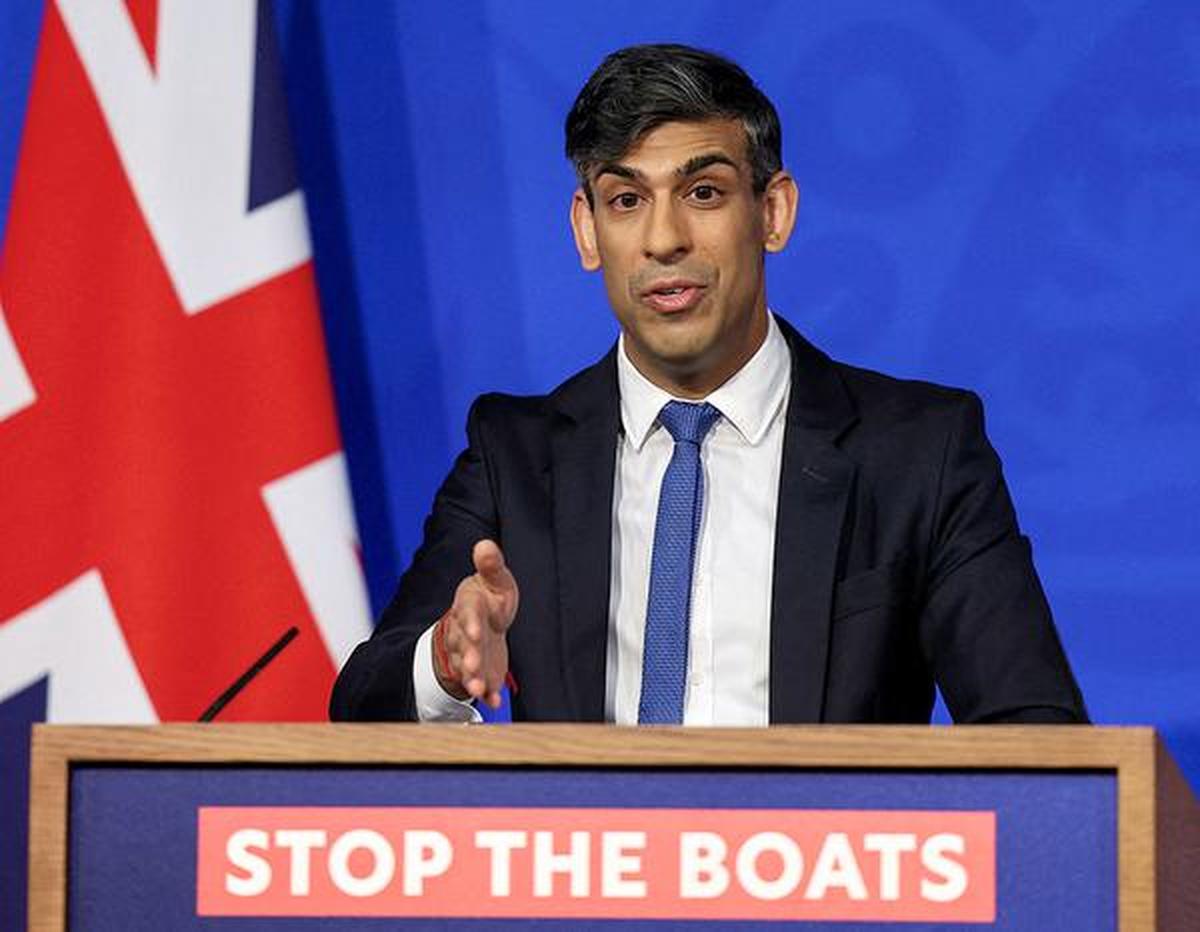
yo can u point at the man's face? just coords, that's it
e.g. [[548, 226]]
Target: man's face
[[679, 233]]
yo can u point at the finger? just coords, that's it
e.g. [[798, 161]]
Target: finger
[[471, 614], [475, 687], [492, 570], [494, 699]]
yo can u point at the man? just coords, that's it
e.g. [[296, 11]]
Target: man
[[715, 524]]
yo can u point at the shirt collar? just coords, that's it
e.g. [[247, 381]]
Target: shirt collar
[[749, 400]]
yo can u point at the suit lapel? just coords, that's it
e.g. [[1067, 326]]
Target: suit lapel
[[815, 484], [583, 460]]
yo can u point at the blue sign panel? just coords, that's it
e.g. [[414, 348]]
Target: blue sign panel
[[133, 839]]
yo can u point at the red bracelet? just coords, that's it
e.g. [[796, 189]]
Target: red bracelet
[[441, 657]]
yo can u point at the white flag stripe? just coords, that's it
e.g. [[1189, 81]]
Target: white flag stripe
[[313, 515], [16, 390], [73, 636], [183, 133]]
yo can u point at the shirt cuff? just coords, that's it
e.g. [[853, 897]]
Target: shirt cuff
[[434, 704]]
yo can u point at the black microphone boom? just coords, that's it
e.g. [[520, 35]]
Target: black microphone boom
[[242, 681]]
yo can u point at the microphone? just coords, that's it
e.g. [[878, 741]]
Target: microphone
[[244, 680]]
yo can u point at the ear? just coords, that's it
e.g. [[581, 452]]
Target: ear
[[583, 225], [780, 201]]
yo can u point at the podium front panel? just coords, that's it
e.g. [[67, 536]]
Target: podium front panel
[[472, 847]]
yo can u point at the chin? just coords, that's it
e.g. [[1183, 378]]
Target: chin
[[682, 355], [684, 334]]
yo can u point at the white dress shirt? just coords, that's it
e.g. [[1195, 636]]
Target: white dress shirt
[[729, 639]]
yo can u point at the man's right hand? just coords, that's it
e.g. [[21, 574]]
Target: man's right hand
[[470, 652]]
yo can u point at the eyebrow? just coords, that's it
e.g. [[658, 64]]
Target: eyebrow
[[693, 165], [700, 162]]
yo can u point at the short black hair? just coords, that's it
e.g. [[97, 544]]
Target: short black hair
[[638, 88]]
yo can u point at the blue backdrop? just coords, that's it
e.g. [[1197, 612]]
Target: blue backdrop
[[1003, 196], [999, 195]]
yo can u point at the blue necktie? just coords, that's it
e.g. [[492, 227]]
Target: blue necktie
[[680, 505]]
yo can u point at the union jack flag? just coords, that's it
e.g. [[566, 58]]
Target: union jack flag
[[174, 490]]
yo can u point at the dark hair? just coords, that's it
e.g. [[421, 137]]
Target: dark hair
[[639, 88]]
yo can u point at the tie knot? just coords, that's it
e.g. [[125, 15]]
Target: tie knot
[[688, 422]]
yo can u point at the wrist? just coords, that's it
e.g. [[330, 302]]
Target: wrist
[[441, 663]]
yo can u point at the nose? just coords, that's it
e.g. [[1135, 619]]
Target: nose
[[666, 234]]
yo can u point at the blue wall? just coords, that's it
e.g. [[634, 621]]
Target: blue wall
[[999, 195], [1003, 196]]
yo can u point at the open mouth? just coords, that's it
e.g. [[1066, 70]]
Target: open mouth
[[673, 298]]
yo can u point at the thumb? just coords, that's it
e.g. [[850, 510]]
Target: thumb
[[492, 570]]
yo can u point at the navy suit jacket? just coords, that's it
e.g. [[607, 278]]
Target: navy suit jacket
[[898, 560]]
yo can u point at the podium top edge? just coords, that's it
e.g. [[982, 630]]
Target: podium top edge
[[1035, 747]]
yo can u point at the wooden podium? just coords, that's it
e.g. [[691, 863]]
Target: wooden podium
[[1080, 827]]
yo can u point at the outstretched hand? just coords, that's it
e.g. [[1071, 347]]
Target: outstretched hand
[[470, 654]]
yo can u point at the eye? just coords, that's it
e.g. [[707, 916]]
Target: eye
[[626, 200], [705, 194]]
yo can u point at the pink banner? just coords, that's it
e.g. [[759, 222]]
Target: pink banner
[[733, 864]]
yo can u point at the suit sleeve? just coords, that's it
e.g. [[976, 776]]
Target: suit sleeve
[[986, 628], [376, 682]]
